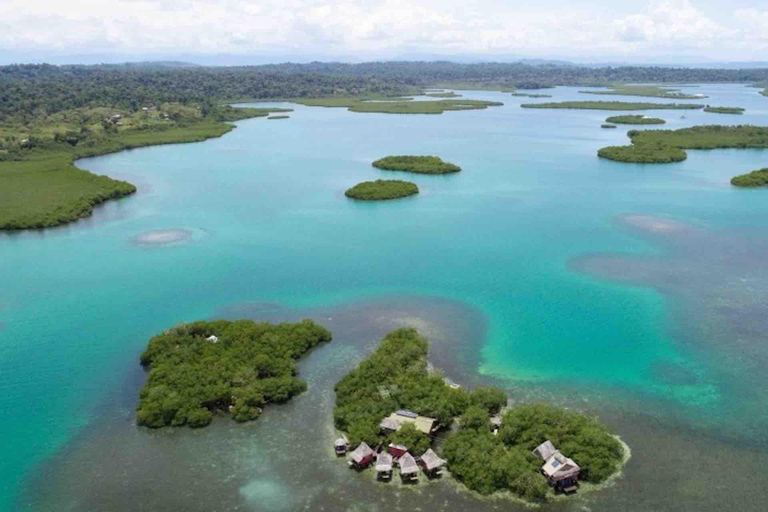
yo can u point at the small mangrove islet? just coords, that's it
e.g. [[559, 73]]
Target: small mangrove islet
[[634, 119], [417, 164], [393, 402], [665, 146], [606, 125], [198, 369], [388, 106], [613, 105], [270, 118], [652, 91], [724, 110], [445, 94], [381, 190], [530, 95], [758, 178]]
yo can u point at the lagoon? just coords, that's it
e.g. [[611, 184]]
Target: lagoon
[[539, 268]]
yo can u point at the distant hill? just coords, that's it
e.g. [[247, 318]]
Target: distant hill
[[161, 64]]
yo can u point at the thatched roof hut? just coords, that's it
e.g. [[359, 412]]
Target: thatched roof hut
[[408, 466], [431, 461], [384, 462], [545, 450], [362, 455]]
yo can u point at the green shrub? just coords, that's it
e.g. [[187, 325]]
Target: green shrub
[[410, 437]]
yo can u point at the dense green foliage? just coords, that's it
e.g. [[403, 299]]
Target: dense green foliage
[[613, 105], [382, 190], [652, 91], [724, 110], [652, 153], [394, 377], [417, 164], [757, 178], [486, 463], [250, 365], [410, 437], [531, 95], [606, 125], [664, 146], [634, 119], [39, 185], [403, 106]]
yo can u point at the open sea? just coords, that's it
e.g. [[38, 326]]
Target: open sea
[[635, 292]]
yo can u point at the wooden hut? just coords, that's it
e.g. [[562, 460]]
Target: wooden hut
[[409, 470], [431, 463], [384, 466], [362, 456], [561, 472], [545, 450], [394, 421], [340, 446]]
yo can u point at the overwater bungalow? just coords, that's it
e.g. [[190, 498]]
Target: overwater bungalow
[[561, 472], [431, 463], [362, 456], [409, 470], [384, 466], [394, 421], [340, 446]]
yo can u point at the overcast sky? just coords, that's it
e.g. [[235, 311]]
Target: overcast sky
[[598, 30]]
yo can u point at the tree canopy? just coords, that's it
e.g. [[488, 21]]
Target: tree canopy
[[245, 366]]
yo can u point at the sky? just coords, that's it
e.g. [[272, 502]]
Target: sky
[[257, 31]]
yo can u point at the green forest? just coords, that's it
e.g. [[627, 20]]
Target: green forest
[[635, 119], [246, 366], [381, 190], [416, 164], [665, 146], [757, 178]]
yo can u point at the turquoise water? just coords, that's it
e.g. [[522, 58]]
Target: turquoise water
[[269, 224]]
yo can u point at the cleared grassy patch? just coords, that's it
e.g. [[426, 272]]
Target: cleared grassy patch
[[382, 190]]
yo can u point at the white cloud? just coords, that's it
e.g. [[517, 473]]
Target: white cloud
[[373, 28]]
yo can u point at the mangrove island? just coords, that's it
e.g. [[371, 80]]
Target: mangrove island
[[613, 105], [381, 190], [665, 146], [652, 91], [198, 369], [417, 164], [635, 119], [391, 407], [396, 106], [757, 178], [724, 110]]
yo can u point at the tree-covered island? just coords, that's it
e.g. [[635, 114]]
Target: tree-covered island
[[417, 164], [724, 110], [635, 119], [665, 146], [486, 456], [381, 190], [758, 178], [613, 105], [202, 368], [652, 91], [380, 105]]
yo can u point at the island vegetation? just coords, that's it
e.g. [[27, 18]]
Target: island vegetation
[[652, 91], [39, 183], [724, 110], [416, 164], [396, 377], [531, 95], [202, 368], [380, 190], [665, 146], [388, 106], [757, 178], [607, 125], [635, 119], [613, 105], [270, 118], [444, 94], [488, 463]]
